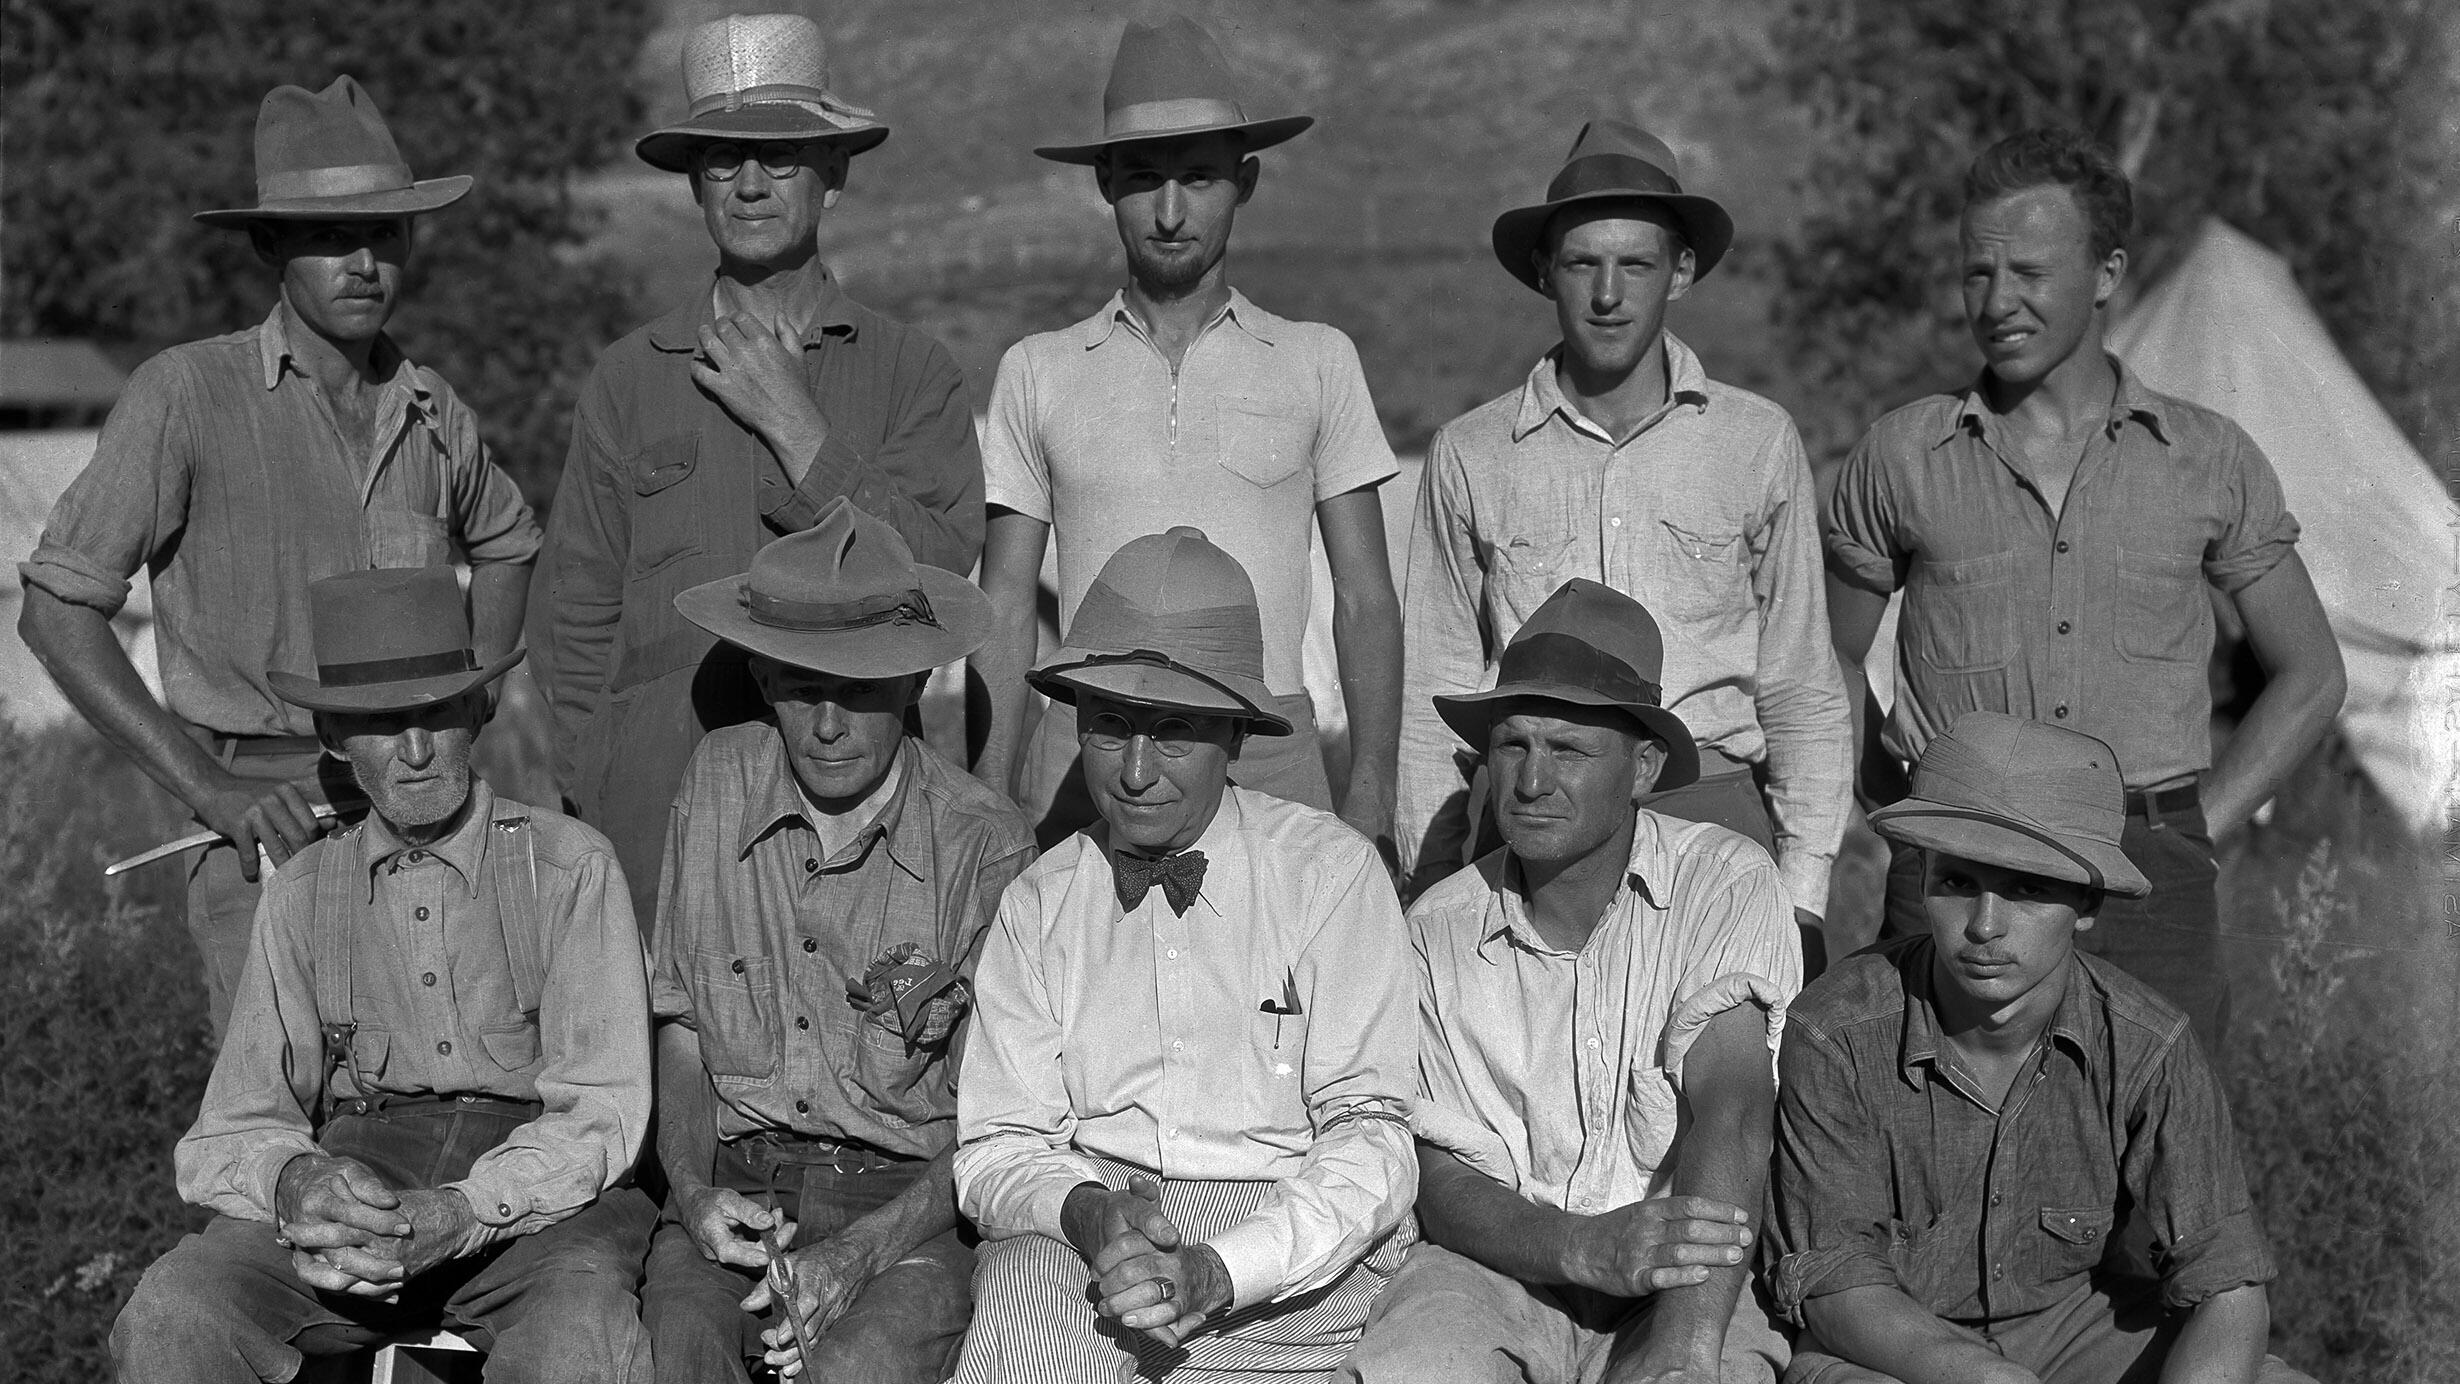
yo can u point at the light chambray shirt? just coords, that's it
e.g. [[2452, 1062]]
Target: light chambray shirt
[[1706, 516], [1559, 1074], [1142, 1037]]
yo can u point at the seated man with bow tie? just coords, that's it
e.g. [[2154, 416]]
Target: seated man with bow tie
[[1194, 1028]]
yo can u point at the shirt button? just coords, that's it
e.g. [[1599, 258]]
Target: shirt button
[[2060, 712], [1994, 1198], [810, 945], [445, 1047], [421, 915], [801, 1022], [1617, 521], [503, 1208], [811, 866], [2062, 545], [738, 965], [1173, 953], [802, 1107], [1592, 1042], [1177, 1046], [1997, 1272], [2065, 626], [428, 979], [417, 856]]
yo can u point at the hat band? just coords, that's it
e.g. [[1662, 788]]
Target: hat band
[[1157, 659], [2092, 872], [1187, 113], [347, 180], [369, 672], [908, 607], [754, 95], [1595, 173], [1571, 661]]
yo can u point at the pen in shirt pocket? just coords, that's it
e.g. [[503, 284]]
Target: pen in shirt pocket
[[1289, 1005]]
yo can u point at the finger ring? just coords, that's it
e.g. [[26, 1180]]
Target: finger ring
[[1170, 1290], [284, 1242]]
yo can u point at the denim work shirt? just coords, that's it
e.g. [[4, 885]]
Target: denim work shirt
[[1891, 1171], [2095, 619]]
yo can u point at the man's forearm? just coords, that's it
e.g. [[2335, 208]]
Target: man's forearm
[[1367, 645], [1480, 1219], [902, 1224], [2223, 1339], [1880, 1328], [499, 599], [1722, 1160], [687, 1110], [74, 643]]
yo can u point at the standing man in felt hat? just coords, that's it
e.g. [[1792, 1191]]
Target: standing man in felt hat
[[1621, 461], [734, 419], [437, 1075], [1182, 402], [1970, 1116], [828, 880], [1600, 1001], [2058, 531], [1183, 1113], [240, 469]]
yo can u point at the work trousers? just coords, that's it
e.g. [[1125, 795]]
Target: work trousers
[[1055, 799]]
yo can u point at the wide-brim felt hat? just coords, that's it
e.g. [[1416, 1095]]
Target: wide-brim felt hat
[[844, 597], [388, 639], [1613, 160], [754, 78], [1170, 81], [1170, 622], [328, 156], [1588, 645], [2021, 795]]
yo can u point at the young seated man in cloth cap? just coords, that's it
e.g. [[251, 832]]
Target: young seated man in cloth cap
[[1600, 1000], [1183, 1109], [1970, 1117], [1619, 460], [437, 1075], [240, 469], [1182, 402], [730, 421], [828, 879]]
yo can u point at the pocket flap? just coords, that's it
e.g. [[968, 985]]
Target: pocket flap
[[369, 1047], [514, 1048], [2078, 1227], [663, 462]]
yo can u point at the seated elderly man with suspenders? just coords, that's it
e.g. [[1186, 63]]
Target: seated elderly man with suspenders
[[436, 1077]]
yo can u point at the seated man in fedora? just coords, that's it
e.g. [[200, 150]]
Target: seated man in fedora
[[1600, 1001], [1970, 1116], [1183, 1110], [1181, 402], [240, 469], [730, 421], [437, 1075], [828, 878], [1619, 460]]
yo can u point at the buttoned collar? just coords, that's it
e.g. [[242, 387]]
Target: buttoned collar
[[464, 848], [2131, 400], [1647, 878], [1249, 318], [775, 800], [1541, 394], [834, 315], [1918, 1048], [274, 353]]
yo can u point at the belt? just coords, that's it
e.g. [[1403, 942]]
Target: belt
[[2154, 802], [844, 1156], [387, 1105]]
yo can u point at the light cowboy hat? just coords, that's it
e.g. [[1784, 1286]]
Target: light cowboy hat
[[1168, 81], [1588, 645], [1614, 160], [388, 639], [844, 597], [327, 156], [1170, 622], [2022, 795], [759, 77]]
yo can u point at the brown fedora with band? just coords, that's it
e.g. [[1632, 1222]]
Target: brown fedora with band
[[755, 78], [1170, 622], [328, 156], [388, 639], [2022, 795], [1614, 160], [1169, 81]]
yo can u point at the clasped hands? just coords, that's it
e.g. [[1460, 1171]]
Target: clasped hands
[[349, 1232], [1146, 1278], [730, 1228]]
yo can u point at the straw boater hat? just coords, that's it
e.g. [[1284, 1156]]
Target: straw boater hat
[[844, 597], [1613, 160], [327, 156], [2023, 795], [1589, 645], [390, 639], [756, 77], [1170, 80], [1171, 622]]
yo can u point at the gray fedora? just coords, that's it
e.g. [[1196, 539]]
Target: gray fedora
[[328, 156]]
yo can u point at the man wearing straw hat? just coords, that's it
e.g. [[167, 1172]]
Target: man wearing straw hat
[[733, 419], [1970, 1116], [1621, 461], [828, 880], [1600, 1001], [240, 469], [437, 1075], [1182, 402], [1183, 1112]]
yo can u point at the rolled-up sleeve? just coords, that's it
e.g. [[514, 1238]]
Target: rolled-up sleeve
[[1859, 531], [1828, 1201], [131, 498], [2259, 531], [2183, 1171], [1015, 473], [492, 520]]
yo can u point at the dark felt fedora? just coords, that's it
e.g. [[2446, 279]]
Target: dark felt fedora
[[844, 597], [1615, 160], [2022, 795], [1168, 81], [327, 156], [1589, 645], [388, 639], [758, 77], [1170, 622]]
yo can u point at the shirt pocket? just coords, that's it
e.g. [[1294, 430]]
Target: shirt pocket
[[1649, 1125], [406, 538], [665, 525], [2071, 1241], [1965, 620], [2162, 609], [370, 1050], [1264, 449], [1705, 577], [734, 1004], [513, 1047], [1527, 569]]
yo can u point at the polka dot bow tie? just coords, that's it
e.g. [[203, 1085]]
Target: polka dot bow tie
[[1179, 875]]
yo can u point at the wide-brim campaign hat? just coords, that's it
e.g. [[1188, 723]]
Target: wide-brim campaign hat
[[1614, 160], [388, 639], [328, 156], [844, 597], [1588, 645], [1170, 81], [758, 77], [1170, 622], [2021, 795]]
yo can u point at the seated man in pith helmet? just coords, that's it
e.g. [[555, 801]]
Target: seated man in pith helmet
[[1971, 1116], [1600, 1003], [828, 881], [437, 1072], [1184, 1107]]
